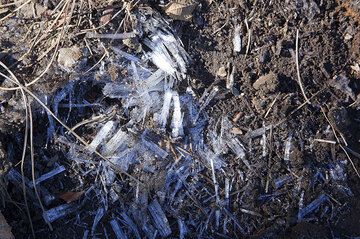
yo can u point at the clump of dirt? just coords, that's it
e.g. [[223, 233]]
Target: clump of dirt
[[267, 83]]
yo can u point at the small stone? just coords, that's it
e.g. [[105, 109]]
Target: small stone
[[348, 36], [236, 131], [221, 72], [68, 57]]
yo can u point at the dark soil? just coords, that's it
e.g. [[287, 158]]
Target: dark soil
[[265, 93], [325, 53]]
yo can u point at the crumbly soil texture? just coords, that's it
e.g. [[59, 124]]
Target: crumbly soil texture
[[289, 98]]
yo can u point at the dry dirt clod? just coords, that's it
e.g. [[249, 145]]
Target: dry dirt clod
[[267, 83], [68, 57]]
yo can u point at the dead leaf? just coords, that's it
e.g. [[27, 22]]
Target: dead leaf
[[71, 196], [5, 229], [180, 11]]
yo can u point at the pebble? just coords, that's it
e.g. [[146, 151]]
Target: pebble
[[221, 72]]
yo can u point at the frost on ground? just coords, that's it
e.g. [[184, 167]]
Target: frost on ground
[[157, 163]]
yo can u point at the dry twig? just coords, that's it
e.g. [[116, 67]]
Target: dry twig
[[298, 68]]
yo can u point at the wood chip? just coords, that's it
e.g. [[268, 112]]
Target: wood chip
[[237, 117]]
